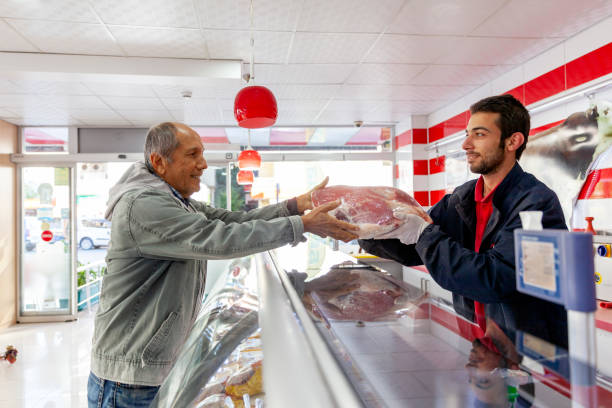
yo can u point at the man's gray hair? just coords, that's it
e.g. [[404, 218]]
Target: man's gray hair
[[161, 139]]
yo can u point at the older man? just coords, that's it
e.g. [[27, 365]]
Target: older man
[[160, 242]]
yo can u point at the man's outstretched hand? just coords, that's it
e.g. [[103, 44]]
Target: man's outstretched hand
[[304, 201], [319, 222]]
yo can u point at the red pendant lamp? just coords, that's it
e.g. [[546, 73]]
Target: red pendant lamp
[[244, 177], [249, 159], [255, 107]]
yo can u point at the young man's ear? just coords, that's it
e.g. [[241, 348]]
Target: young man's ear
[[515, 141]]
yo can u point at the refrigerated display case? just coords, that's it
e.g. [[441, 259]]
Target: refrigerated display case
[[419, 354]]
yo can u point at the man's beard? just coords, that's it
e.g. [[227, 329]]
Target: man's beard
[[489, 164]]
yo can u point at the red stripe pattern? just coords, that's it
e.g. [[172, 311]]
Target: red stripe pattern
[[597, 185]]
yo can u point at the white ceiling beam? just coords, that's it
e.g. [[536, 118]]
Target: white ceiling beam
[[90, 68]]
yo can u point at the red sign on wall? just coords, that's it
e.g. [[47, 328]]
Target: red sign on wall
[[47, 235]]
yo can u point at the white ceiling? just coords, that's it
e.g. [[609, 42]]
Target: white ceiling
[[329, 62]]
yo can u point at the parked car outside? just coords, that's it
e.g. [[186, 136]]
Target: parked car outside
[[93, 233]]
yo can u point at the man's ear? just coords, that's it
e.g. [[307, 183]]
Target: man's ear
[[159, 163], [515, 141]]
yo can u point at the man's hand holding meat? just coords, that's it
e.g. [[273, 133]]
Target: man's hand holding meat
[[415, 221], [319, 222]]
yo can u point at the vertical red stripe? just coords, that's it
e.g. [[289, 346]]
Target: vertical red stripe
[[437, 165], [396, 171], [420, 167], [422, 197], [419, 136], [435, 196]]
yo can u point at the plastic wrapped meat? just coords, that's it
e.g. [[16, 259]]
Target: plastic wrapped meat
[[359, 294], [376, 210]]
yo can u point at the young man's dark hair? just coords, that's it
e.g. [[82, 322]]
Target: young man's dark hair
[[513, 117]]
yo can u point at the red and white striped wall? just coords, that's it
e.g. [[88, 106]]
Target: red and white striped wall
[[584, 58]]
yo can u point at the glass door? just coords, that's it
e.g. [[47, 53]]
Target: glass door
[[46, 279]]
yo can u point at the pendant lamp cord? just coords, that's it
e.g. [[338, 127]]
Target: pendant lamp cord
[[252, 62]]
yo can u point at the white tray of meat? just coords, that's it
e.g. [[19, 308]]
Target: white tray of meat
[[375, 210]]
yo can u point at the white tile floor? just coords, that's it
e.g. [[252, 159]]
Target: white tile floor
[[52, 366]]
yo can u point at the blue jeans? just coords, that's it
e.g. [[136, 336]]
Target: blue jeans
[[110, 394]]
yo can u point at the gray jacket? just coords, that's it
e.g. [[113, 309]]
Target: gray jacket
[[156, 261]]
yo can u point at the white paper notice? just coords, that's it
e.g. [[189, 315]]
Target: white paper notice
[[539, 264]]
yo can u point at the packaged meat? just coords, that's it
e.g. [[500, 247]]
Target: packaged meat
[[359, 294], [376, 210]]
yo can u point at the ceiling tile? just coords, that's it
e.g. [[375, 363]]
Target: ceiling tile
[[301, 104], [384, 74], [120, 89], [443, 17], [58, 10], [147, 117], [459, 74], [93, 115], [431, 93], [353, 106], [379, 92], [270, 47], [10, 40], [330, 47], [409, 49], [302, 73], [127, 103], [5, 113], [51, 88], [193, 103], [364, 16], [160, 42], [285, 91], [544, 18], [152, 13], [67, 38], [295, 117], [28, 102], [495, 51], [196, 116], [275, 15]]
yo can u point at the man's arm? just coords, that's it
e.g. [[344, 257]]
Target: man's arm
[[268, 212], [488, 276]]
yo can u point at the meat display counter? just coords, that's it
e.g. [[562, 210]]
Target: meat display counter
[[353, 336]]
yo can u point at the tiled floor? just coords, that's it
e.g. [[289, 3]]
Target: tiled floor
[[52, 366]]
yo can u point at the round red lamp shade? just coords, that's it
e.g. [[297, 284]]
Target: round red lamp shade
[[255, 107], [244, 177], [249, 160]]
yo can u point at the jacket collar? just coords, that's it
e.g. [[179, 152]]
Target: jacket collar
[[466, 206]]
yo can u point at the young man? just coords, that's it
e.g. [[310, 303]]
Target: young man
[[160, 241], [468, 245]]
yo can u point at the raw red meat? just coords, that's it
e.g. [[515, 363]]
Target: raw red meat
[[358, 294], [376, 210]]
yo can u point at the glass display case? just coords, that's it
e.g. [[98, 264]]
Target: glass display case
[[308, 326]]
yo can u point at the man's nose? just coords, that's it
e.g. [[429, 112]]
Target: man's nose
[[202, 163], [467, 143]]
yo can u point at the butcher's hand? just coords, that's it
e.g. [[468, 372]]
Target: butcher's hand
[[304, 201], [319, 222], [412, 228]]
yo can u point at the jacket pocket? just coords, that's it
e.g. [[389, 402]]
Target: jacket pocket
[[158, 346]]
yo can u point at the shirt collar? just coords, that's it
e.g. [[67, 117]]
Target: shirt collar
[[174, 192], [479, 190]]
